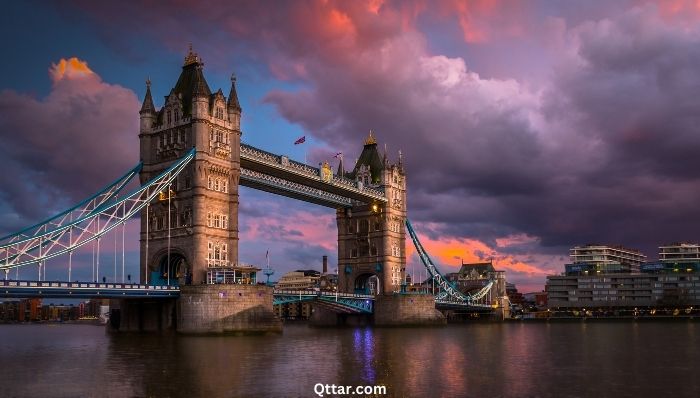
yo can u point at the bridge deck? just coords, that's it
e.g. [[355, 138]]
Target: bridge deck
[[84, 290]]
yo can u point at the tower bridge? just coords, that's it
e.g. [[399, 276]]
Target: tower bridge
[[192, 164]]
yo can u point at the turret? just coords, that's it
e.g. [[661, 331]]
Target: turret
[[233, 106], [148, 110]]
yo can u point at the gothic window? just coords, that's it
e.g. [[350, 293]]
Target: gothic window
[[364, 249], [364, 226], [219, 112], [353, 252], [177, 115], [351, 227], [373, 250], [377, 225], [224, 222], [162, 140], [182, 220], [160, 221], [211, 135], [224, 186], [169, 118], [216, 184], [210, 182]]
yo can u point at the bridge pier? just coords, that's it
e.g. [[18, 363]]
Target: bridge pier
[[142, 315], [207, 309], [407, 310]]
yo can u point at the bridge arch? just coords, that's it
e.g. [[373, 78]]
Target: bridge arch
[[368, 283], [173, 269]]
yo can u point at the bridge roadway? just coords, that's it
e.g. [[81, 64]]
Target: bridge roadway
[[84, 290], [338, 302]]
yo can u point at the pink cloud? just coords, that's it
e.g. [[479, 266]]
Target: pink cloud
[[65, 146]]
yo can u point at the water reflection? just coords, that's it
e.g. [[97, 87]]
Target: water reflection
[[510, 360], [363, 345]]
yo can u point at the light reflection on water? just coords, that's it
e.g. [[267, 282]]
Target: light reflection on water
[[470, 360]]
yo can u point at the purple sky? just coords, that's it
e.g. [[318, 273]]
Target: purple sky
[[527, 127]]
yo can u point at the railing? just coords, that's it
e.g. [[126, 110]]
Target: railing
[[283, 163], [84, 285], [306, 292], [294, 187]]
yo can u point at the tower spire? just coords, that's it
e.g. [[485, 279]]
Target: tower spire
[[148, 106], [233, 104]]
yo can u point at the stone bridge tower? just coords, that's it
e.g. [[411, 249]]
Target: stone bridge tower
[[195, 225], [372, 237]]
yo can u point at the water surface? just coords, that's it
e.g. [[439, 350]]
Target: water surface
[[612, 359]]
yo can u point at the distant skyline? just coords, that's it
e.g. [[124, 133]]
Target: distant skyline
[[526, 127]]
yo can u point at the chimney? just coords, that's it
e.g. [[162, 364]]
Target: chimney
[[325, 264]]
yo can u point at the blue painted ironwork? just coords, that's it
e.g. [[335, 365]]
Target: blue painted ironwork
[[344, 302], [448, 292], [84, 290], [87, 206], [89, 227]]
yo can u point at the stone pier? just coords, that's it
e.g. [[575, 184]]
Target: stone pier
[[206, 309], [142, 315], [407, 310]]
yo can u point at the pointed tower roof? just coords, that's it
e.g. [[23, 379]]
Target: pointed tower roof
[[233, 104], [370, 157], [341, 169], [191, 82], [148, 106]]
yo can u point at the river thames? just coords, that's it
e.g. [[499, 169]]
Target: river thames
[[615, 359]]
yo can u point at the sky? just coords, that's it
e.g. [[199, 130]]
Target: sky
[[527, 127]]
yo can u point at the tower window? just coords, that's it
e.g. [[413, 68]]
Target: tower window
[[177, 115], [219, 112], [169, 118]]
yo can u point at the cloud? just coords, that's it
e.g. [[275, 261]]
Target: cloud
[[71, 68], [59, 149], [598, 147]]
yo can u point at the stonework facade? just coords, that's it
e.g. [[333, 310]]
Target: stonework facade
[[195, 225], [372, 237]]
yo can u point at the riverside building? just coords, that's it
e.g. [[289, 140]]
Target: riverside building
[[672, 281]]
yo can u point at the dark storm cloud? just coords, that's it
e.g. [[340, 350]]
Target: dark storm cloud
[[602, 148]]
